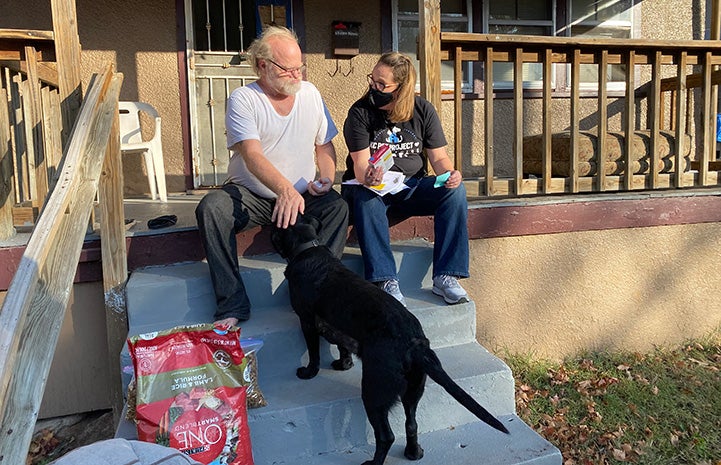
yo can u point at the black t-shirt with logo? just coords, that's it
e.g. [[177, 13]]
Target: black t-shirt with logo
[[367, 127]]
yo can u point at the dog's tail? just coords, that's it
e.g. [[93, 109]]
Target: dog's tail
[[433, 368]]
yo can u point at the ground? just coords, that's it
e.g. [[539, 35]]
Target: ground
[[55, 437]]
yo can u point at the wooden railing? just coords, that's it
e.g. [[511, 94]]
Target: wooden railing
[[35, 304], [652, 69]]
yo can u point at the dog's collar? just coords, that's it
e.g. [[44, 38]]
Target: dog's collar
[[303, 247]]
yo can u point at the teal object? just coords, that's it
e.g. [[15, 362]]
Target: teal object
[[441, 179]]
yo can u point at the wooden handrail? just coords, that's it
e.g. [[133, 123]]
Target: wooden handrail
[[662, 57], [35, 304]]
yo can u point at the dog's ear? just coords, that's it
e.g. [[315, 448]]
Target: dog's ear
[[314, 222]]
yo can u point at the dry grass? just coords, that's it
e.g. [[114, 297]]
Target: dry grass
[[662, 407]]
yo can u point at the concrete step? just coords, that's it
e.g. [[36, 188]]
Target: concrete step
[[470, 444], [167, 296], [327, 414], [284, 348], [322, 421]]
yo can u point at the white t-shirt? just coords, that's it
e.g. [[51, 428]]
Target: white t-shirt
[[288, 142]]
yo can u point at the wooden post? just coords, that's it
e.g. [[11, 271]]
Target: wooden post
[[115, 263], [429, 36], [67, 51]]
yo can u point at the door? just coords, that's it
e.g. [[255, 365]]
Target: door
[[217, 34]]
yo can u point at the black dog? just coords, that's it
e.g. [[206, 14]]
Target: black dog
[[333, 301]]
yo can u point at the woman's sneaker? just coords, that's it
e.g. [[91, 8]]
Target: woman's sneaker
[[391, 287], [447, 287]]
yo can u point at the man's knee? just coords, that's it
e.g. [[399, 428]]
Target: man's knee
[[213, 203]]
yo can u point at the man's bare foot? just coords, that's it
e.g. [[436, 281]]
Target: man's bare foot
[[226, 322]]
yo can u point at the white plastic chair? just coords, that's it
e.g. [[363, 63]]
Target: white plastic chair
[[131, 140]]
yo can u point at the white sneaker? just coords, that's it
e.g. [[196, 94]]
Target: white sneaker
[[391, 287], [447, 287]]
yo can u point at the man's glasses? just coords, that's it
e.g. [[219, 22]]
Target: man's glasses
[[378, 85], [299, 70]]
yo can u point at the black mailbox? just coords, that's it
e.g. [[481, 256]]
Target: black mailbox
[[345, 38]]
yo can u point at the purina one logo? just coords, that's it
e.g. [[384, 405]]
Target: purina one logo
[[200, 434]]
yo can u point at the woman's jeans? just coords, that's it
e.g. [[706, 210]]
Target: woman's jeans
[[222, 213], [369, 213]]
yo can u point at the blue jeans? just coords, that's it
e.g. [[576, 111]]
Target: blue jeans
[[222, 213], [369, 213]]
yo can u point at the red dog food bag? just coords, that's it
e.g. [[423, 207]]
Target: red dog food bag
[[190, 391]]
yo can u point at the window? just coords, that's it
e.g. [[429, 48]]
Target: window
[[609, 19], [455, 16], [574, 18]]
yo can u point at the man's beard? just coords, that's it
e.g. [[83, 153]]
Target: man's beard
[[289, 87]]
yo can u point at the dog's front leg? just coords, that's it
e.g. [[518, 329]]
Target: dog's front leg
[[312, 342]]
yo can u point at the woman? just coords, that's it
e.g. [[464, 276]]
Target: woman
[[390, 113]]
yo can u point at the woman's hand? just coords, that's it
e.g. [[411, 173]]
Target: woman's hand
[[373, 176], [454, 180]]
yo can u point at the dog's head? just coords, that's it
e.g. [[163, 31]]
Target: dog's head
[[291, 241]]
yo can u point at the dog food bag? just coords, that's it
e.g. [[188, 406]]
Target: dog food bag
[[250, 347], [190, 392]]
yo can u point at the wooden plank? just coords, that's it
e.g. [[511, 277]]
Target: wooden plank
[[680, 128], [575, 121], [46, 72], [52, 127], [630, 123], [602, 117], [23, 142], [34, 103], [24, 35], [458, 109], [708, 121], [546, 116], [35, 303], [67, 49], [562, 43], [654, 116], [114, 260], [7, 195], [429, 48], [518, 117], [488, 119]]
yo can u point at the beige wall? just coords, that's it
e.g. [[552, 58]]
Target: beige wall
[[556, 295], [139, 38], [78, 378]]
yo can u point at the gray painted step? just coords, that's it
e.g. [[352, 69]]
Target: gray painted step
[[470, 444], [284, 346], [327, 412], [322, 421], [167, 296]]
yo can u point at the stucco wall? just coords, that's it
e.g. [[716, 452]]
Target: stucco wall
[[140, 39], [556, 295]]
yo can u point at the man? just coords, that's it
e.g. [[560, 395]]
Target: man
[[279, 130]]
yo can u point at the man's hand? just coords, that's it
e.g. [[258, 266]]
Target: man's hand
[[287, 206], [226, 323], [320, 187]]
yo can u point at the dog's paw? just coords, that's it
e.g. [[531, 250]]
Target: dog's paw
[[342, 364], [306, 372], [413, 452]]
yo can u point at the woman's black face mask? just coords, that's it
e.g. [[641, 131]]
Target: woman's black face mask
[[379, 99]]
